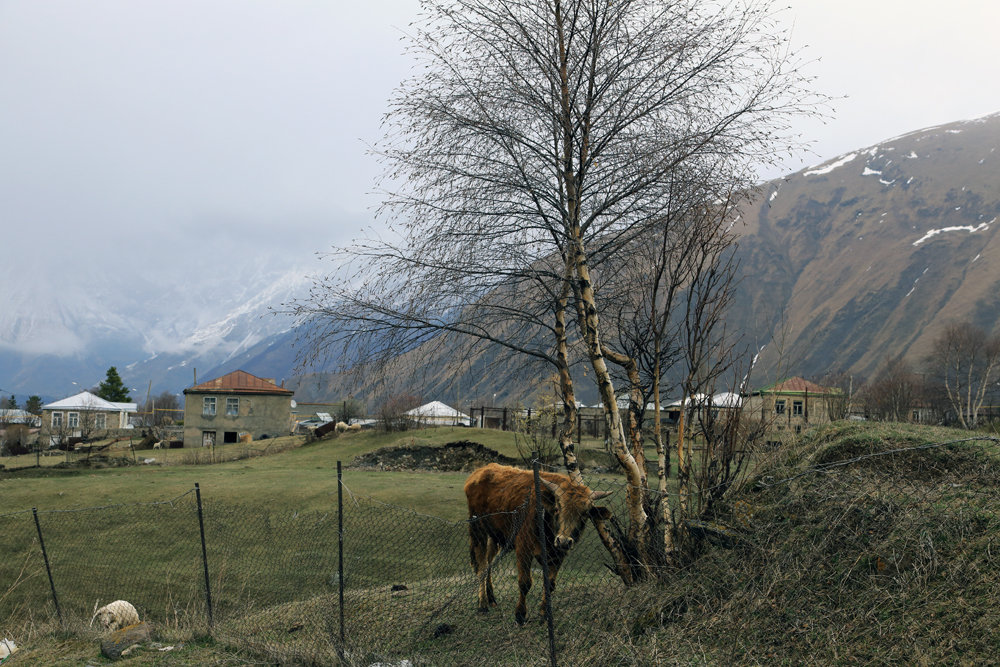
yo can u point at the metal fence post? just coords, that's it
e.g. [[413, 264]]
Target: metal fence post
[[540, 525], [204, 556], [48, 570], [340, 554]]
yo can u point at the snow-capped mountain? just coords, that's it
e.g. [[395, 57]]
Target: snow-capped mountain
[[55, 338]]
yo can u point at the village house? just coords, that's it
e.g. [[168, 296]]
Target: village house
[[234, 405], [437, 413], [15, 416], [84, 416], [794, 403]]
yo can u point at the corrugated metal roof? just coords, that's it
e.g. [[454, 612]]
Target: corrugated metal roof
[[796, 385], [238, 382], [87, 401]]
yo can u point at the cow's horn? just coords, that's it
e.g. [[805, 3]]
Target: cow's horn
[[551, 486], [597, 495]]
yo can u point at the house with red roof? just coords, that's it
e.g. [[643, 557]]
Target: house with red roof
[[235, 406], [794, 403]]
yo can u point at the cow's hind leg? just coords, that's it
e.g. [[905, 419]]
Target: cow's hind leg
[[479, 548], [492, 549]]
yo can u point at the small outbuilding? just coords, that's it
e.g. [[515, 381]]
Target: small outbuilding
[[16, 416]]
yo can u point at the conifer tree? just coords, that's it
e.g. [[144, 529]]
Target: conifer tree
[[34, 405], [113, 389]]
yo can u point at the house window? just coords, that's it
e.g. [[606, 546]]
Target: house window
[[779, 407], [916, 416], [100, 421], [208, 406], [232, 407], [796, 408], [56, 420], [73, 419]]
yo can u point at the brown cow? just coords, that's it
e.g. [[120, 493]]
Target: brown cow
[[502, 516]]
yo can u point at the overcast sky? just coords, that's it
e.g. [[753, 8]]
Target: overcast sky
[[130, 129]]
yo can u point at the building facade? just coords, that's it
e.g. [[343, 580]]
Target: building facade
[[233, 406], [795, 403], [84, 416]]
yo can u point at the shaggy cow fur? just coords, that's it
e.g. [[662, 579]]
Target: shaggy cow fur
[[502, 516]]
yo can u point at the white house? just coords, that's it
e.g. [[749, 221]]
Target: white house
[[83, 415], [437, 413], [12, 416]]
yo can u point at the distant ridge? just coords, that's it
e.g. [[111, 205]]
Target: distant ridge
[[843, 263]]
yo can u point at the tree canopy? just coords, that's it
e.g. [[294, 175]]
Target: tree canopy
[[542, 142]]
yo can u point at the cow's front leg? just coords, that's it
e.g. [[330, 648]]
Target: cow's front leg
[[553, 570], [524, 585]]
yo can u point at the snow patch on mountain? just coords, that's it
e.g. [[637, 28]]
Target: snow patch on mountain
[[957, 228], [839, 162]]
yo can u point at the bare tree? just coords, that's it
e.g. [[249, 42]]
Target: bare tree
[[392, 412], [161, 410], [893, 392], [841, 396], [965, 360], [538, 143]]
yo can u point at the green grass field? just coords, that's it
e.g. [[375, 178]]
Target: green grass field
[[829, 567]]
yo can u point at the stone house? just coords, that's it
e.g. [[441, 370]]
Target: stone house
[[236, 404], [85, 416], [794, 403]]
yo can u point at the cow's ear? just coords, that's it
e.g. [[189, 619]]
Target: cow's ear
[[602, 513], [548, 499]]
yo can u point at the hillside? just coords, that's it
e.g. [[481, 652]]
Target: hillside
[[843, 264], [872, 253]]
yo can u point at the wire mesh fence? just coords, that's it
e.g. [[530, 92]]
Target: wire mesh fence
[[845, 548]]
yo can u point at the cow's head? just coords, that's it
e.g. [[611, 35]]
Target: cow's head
[[571, 504]]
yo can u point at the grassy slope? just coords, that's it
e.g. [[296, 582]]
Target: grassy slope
[[301, 478], [890, 559]]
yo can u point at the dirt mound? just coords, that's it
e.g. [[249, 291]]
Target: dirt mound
[[454, 456], [97, 461]]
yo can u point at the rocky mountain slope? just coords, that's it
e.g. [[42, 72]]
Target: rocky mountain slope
[[843, 264], [872, 253]]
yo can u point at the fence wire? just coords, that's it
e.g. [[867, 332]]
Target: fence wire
[[850, 550]]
